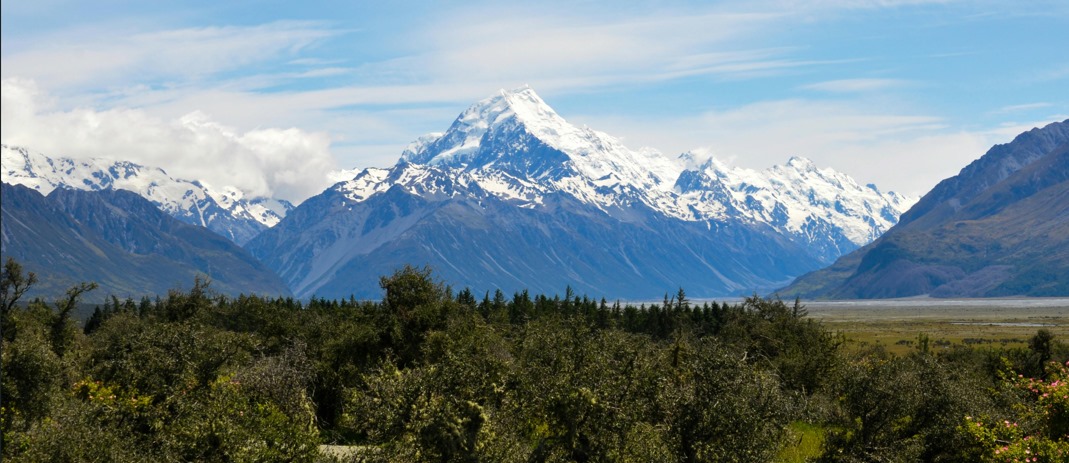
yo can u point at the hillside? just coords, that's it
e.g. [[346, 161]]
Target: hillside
[[999, 228], [122, 242]]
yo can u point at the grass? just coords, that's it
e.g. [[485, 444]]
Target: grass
[[898, 328], [804, 442], [903, 337]]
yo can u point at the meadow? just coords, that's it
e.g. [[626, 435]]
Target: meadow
[[898, 325]]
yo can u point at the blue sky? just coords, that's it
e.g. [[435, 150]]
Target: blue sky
[[270, 95]]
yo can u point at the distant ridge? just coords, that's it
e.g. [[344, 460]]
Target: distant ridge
[[225, 211]]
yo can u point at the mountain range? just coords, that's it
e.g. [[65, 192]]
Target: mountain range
[[226, 211], [998, 228], [121, 241], [512, 196]]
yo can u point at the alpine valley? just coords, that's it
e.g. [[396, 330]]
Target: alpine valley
[[513, 197]]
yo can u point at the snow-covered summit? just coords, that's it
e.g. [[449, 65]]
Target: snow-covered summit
[[820, 206], [516, 147], [508, 109], [225, 210], [516, 131]]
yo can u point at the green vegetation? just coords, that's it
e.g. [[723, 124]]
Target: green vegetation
[[432, 375]]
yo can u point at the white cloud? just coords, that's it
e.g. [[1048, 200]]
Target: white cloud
[[284, 163]]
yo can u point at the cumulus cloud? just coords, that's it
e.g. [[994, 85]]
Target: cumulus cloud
[[290, 163]]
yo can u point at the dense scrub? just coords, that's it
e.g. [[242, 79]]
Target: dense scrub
[[429, 375]]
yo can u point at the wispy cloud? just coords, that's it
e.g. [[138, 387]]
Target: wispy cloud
[[1023, 107], [841, 4], [1055, 73], [178, 56], [496, 46], [857, 85]]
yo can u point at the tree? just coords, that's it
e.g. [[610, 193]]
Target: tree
[[62, 327], [13, 285], [414, 304], [904, 409], [410, 288], [1041, 345]]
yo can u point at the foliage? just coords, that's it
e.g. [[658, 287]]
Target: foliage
[[426, 375], [904, 409], [1039, 428], [805, 442]]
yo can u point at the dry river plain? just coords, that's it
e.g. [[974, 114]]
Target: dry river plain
[[897, 324]]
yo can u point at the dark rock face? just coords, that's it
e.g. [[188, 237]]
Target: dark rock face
[[122, 242], [999, 228]]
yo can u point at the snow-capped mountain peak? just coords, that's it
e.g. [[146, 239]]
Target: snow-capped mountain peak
[[267, 211], [801, 163], [516, 147], [513, 194], [823, 207], [518, 140], [509, 110]]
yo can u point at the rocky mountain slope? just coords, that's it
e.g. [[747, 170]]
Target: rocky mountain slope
[[122, 242], [998, 228]]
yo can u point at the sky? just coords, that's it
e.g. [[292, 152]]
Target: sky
[[272, 96]]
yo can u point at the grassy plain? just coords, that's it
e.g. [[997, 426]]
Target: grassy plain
[[897, 324]]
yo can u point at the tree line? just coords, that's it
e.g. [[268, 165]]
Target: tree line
[[428, 374]]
